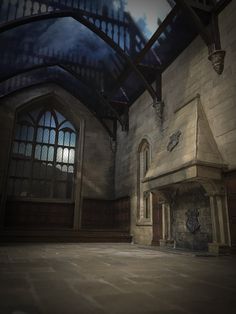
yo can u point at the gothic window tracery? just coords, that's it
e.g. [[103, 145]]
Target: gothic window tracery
[[43, 156], [144, 198]]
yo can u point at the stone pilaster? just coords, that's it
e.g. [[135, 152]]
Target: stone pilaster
[[219, 216]]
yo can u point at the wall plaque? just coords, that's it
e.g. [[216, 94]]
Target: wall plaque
[[174, 141], [192, 222]]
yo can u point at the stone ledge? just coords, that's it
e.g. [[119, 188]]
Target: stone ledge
[[167, 243], [218, 248]]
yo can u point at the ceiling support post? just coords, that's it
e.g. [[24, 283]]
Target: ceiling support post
[[216, 54], [158, 103]]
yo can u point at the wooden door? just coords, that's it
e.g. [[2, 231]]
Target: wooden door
[[157, 220]]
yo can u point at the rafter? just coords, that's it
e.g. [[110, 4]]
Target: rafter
[[204, 5], [79, 17], [211, 38], [110, 132], [194, 19], [70, 71], [145, 50]]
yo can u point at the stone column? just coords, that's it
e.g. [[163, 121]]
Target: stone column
[[163, 221], [166, 225], [219, 217]]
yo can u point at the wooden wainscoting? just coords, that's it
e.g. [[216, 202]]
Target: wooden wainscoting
[[106, 214], [34, 215]]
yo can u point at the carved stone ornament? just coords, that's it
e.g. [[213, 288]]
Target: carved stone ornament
[[159, 107], [192, 222], [174, 141], [217, 58]]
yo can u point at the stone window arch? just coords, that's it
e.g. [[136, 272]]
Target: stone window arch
[[43, 155], [144, 203]]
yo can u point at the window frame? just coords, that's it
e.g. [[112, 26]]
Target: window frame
[[144, 198], [53, 110]]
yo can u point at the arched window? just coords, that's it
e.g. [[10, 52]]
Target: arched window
[[144, 210], [43, 156]]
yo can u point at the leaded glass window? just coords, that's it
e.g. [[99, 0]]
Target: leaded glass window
[[43, 156]]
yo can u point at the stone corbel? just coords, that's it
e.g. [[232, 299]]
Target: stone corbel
[[217, 60], [210, 35], [158, 105]]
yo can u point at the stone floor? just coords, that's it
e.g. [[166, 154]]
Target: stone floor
[[113, 278]]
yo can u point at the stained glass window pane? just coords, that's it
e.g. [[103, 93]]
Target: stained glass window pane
[[67, 139], [44, 153], [65, 155], [24, 133], [30, 133], [46, 136], [22, 149], [60, 117], [68, 125], [50, 153], [52, 137], [40, 135], [71, 169], [38, 152], [61, 138], [59, 154], [72, 156], [28, 150], [72, 139]]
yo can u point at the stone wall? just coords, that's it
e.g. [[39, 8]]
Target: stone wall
[[189, 74], [188, 197]]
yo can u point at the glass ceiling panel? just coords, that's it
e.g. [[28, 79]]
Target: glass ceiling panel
[[61, 40], [119, 19], [176, 36], [129, 23], [148, 14], [130, 88], [52, 75]]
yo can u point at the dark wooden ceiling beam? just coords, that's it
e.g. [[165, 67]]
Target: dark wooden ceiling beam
[[111, 133], [80, 18], [201, 5], [100, 97], [210, 34], [124, 75], [195, 20]]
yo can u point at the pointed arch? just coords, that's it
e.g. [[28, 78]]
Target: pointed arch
[[144, 203]]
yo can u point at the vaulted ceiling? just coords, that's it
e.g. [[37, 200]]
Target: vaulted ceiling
[[106, 53]]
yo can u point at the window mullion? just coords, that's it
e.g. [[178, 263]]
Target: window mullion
[[32, 158], [54, 163]]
